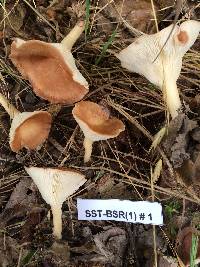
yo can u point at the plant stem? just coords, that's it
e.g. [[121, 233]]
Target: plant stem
[[57, 221], [10, 109], [171, 95], [88, 149], [73, 36]]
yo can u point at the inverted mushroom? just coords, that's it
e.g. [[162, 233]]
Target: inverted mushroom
[[28, 129], [163, 71], [50, 67], [55, 186], [95, 124]]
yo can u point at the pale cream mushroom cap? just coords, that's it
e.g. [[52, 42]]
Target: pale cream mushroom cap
[[95, 122], [29, 129], [140, 56], [56, 184], [51, 70]]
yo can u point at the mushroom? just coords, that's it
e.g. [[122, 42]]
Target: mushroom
[[95, 124], [164, 70], [50, 67], [28, 129], [55, 185]]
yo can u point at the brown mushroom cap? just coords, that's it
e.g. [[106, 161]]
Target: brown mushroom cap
[[50, 69], [29, 130], [95, 122]]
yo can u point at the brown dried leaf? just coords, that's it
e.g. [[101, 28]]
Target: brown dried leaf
[[137, 14], [16, 17], [111, 244], [107, 187], [21, 194], [165, 261], [184, 242], [9, 251], [22, 199], [178, 139], [196, 134], [102, 249], [172, 132], [190, 171], [62, 250], [13, 17], [196, 175], [34, 217], [186, 171], [179, 149], [87, 248]]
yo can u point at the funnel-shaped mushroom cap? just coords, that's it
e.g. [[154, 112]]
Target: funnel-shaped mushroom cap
[[56, 184], [140, 56], [51, 70], [95, 122], [29, 129]]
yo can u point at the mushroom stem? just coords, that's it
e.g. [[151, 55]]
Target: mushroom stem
[[88, 149], [57, 221], [10, 109], [172, 96], [73, 36]]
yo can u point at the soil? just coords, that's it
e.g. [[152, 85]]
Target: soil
[[120, 167]]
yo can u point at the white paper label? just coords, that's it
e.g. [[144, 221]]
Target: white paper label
[[120, 210]]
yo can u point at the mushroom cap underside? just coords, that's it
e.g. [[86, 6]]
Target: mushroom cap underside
[[95, 122], [51, 71], [29, 130], [140, 56], [56, 184]]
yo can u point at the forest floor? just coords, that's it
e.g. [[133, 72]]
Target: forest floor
[[122, 167]]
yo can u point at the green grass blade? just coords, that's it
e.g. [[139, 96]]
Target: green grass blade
[[87, 17], [193, 251], [28, 257], [105, 46]]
